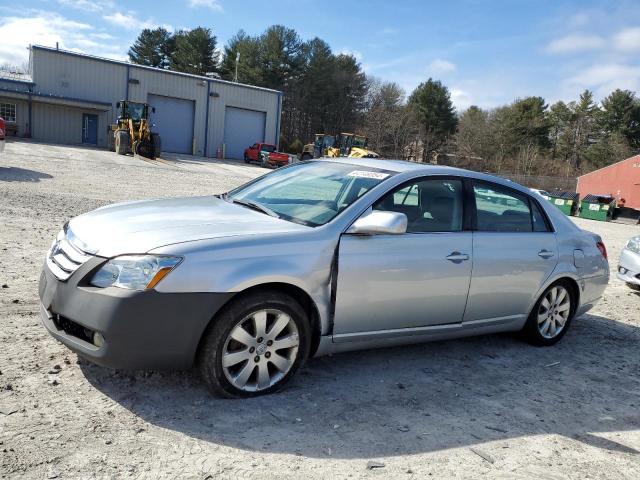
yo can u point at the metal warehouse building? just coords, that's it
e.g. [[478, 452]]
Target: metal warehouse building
[[71, 98]]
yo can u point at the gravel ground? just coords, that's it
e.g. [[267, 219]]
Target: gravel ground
[[489, 407]]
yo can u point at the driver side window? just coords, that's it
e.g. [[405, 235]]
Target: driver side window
[[432, 205]]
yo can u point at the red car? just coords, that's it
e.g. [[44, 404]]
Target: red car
[[3, 127], [272, 158]]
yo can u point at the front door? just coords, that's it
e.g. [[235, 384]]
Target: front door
[[89, 128], [416, 279], [514, 252]]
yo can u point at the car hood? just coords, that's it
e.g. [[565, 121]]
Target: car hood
[[137, 227]]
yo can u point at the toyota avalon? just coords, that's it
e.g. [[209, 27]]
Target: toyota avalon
[[315, 258]]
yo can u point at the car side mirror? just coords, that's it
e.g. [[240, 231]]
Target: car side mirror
[[379, 223]]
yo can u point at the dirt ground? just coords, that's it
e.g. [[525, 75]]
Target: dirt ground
[[487, 407]]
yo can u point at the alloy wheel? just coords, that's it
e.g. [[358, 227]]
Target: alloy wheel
[[260, 350], [554, 312]]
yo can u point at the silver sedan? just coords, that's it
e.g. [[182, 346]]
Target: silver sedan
[[629, 263], [315, 258]]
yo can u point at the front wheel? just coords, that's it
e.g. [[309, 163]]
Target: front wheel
[[255, 345], [550, 318]]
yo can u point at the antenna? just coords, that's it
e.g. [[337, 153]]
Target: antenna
[[235, 77]]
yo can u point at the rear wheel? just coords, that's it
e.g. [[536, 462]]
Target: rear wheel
[[550, 318], [255, 345], [122, 142], [246, 159]]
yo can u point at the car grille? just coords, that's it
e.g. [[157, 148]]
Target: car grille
[[64, 258]]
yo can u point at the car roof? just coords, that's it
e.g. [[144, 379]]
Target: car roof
[[403, 166]]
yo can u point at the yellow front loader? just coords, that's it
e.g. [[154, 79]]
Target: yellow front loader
[[132, 132], [342, 145]]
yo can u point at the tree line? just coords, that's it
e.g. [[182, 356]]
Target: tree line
[[328, 92]]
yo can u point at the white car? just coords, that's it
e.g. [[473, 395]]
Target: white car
[[544, 193], [629, 264]]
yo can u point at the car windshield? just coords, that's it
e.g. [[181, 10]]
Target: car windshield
[[309, 193], [268, 148]]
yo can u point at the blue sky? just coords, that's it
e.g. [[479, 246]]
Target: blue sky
[[487, 52]]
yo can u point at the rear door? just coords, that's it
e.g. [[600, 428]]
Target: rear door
[[89, 129], [514, 252], [416, 279]]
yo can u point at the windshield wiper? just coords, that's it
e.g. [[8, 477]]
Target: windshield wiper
[[255, 206]]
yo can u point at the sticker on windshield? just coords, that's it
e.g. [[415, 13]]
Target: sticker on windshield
[[366, 174]]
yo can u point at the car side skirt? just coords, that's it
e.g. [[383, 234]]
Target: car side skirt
[[390, 338]]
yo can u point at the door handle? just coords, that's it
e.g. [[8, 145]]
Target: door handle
[[457, 257], [545, 254]]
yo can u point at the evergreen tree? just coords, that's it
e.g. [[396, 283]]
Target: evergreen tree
[[249, 63], [436, 114], [621, 114], [152, 48], [195, 52]]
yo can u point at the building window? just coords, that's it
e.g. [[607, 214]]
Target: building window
[[8, 112]]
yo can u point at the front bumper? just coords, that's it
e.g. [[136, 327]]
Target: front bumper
[[141, 329], [629, 267]]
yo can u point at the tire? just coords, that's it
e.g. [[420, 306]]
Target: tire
[[246, 159], [633, 286], [157, 144], [122, 142], [253, 357], [111, 140], [545, 327]]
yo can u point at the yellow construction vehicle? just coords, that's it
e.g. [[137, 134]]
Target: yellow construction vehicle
[[342, 145], [132, 132]]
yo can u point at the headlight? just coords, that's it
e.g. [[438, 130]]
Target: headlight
[[634, 245], [134, 272]]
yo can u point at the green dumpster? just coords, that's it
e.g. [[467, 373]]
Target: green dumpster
[[597, 207], [567, 202]]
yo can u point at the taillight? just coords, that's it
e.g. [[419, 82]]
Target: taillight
[[603, 249]]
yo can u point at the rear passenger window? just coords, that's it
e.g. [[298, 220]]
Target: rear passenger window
[[539, 222], [501, 210]]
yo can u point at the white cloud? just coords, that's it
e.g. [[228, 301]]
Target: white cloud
[[88, 5], [210, 4], [354, 53], [606, 77], [578, 20], [127, 22], [575, 43], [46, 28], [462, 99], [441, 66], [388, 31], [628, 39]]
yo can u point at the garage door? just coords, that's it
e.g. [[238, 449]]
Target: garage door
[[174, 122], [242, 128]]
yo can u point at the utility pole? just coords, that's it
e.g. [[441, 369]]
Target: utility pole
[[235, 77]]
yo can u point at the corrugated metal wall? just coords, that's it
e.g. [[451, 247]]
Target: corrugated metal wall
[[86, 78], [61, 124]]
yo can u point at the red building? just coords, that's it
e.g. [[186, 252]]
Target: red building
[[621, 180]]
